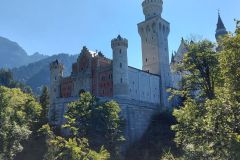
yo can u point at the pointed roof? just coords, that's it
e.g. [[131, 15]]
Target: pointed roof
[[220, 24], [172, 59], [221, 30]]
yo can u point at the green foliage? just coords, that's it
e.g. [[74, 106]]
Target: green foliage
[[169, 156], [100, 123], [89, 126], [70, 148], [210, 128], [18, 113], [44, 100], [6, 79], [200, 68], [230, 63]]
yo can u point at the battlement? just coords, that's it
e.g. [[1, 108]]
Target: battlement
[[152, 8], [155, 2], [119, 41], [55, 64]]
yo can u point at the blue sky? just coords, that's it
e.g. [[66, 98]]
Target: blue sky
[[65, 26]]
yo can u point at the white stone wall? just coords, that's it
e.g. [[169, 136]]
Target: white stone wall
[[143, 86]]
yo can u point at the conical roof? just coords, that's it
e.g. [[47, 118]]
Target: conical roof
[[220, 24]]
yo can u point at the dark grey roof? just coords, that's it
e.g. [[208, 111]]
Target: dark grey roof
[[220, 24]]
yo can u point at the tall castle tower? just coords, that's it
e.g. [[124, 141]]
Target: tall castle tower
[[120, 66], [56, 74], [154, 33]]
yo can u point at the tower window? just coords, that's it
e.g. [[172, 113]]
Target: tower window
[[55, 78], [121, 80], [120, 65], [146, 59], [120, 51]]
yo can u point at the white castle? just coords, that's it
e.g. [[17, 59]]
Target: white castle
[[140, 93]]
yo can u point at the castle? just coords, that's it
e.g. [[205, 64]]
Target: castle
[[140, 93]]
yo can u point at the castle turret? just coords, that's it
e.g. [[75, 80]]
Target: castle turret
[[221, 29], [120, 66], [152, 8], [56, 74]]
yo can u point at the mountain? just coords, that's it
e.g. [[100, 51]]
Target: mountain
[[12, 55], [37, 74]]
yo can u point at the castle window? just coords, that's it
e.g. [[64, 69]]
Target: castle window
[[120, 65], [55, 78], [120, 51], [121, 80], [146, 59]]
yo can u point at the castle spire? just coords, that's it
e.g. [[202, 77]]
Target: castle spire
[[221, 29], [172, 59]]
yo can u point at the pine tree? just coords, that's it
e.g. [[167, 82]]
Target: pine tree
[[45, 102]]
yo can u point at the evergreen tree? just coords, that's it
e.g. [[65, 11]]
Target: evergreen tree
[[6, 79], [45, 102]]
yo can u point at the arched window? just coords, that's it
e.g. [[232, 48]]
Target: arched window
[[120, 65], [154, 27], [120, 51]]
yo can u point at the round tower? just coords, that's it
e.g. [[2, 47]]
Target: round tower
[[152, 8], [56, 74], [120, 66]]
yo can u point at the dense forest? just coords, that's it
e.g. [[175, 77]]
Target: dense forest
[[206, 124]]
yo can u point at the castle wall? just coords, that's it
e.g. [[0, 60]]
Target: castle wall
[[143, 86], [105, 84], [137, 115], [66, 87]]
